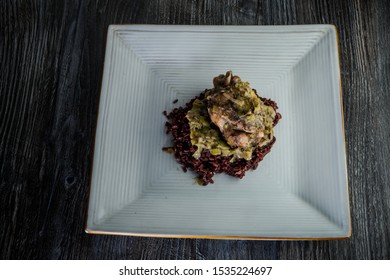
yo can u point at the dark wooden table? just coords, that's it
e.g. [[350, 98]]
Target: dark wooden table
[[51, 62]]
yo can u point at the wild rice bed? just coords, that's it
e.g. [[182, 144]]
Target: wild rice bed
[[207, 165]]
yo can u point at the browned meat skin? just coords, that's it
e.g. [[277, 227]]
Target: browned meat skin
[[237, 130], [234, 137], [237, 138]]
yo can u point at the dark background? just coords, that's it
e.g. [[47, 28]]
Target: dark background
[[51, 62]]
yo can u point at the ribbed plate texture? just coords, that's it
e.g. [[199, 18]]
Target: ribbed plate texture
[[298, 191]]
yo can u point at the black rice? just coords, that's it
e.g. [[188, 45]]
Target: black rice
[[208, 165]]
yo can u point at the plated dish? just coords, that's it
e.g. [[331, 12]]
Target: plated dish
[[299, 190], [227, 129]]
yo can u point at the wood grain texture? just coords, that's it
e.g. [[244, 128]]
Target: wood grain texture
[[51, 64]]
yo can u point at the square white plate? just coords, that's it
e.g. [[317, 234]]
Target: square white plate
[[299, 190]]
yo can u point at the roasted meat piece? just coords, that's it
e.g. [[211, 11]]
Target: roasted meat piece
[[238, 111]]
